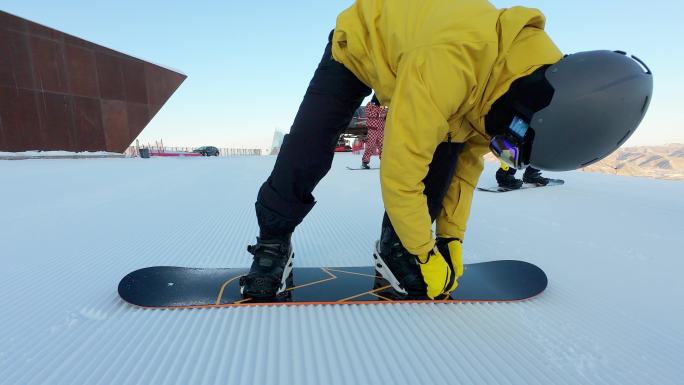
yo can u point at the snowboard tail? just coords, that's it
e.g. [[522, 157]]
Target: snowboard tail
[[182, 287]]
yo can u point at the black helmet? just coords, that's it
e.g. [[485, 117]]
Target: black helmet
[[582, 109], [599, 99]]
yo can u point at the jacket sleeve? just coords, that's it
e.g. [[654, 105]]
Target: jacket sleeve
[[453, 218], [431, 86]]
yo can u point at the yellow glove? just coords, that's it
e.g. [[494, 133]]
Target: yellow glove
[[451, 249], [437, 273]]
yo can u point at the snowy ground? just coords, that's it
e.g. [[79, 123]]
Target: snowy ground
[[70, 229], [57, 155]]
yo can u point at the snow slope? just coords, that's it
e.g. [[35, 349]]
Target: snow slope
[[57, 155], [612, 247]]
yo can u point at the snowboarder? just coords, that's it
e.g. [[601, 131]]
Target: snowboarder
[[375, 121], [505, 177], [461, 77]]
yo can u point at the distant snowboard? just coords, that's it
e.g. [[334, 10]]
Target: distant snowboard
[[497, 189], [361, 168]]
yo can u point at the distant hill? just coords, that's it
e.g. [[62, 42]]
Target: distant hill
[[661, 162]]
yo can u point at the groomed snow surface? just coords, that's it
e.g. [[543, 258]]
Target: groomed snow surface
[[70, 229], [57, 155]]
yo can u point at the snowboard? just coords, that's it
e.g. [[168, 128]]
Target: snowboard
[[361, 168], [184, 287], [498, 189]]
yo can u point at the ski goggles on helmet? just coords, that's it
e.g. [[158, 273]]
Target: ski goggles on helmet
[[513, 146]]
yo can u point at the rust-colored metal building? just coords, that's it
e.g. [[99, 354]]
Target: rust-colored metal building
[[60, 92]]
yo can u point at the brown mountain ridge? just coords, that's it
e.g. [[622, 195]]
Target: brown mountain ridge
[[661, 162]]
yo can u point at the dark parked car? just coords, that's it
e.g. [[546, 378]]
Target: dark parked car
[[207, 151], [342, 145]]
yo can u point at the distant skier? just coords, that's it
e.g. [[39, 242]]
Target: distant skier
[[375, 121], [461, 77], [505, 177]]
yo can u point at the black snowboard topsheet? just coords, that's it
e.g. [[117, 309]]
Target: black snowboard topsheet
[[498, 189], [180, 287]]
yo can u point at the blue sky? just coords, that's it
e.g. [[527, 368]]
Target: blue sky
[[249, 62]]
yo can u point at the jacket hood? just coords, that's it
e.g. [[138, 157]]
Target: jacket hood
[[523, 47]]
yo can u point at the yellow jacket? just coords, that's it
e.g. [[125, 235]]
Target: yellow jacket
[[439, 65]]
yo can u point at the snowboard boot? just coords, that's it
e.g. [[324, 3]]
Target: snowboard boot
[[506, 179], [365, 165], [533, 176], [399, 267], [270, 269]]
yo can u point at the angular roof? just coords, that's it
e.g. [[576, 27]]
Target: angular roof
[[60, 92]]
